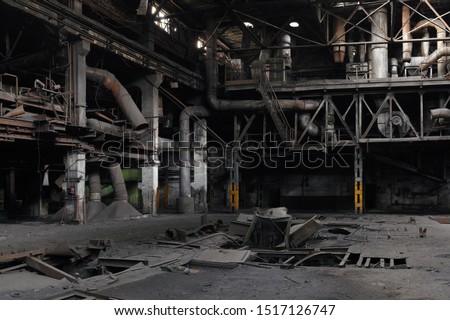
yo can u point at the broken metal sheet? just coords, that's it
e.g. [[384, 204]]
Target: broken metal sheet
[[299, 233], [99, 244], [269, 230], [221, 258], [240, 226], [120, 262], [49, 270], [21, 255]]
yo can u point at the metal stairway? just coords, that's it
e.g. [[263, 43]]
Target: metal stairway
[[271, 101]]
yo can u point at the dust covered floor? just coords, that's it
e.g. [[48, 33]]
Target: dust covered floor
[[139, 267]]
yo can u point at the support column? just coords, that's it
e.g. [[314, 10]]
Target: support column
[[81, 50], [75, 180], [234, 170], [200, 184], [359, 198], [150, 110], [185, 200]]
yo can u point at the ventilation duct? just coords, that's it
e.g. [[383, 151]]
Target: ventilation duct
[[440, 113], [339, 38], [434, 57], [123, 98], [380, 51], [120, 207], [95, 204], [406, 30]]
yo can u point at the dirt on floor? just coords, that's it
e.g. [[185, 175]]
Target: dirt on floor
[[163, 270]]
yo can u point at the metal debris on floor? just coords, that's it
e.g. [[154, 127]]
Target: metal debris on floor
[[267, 239]]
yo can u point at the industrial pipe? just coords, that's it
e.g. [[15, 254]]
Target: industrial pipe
[[440, 34], [123, 98], [380, 51], [105, 127], [285, 42], [339, 38], [239, 105], [440, 113], [434, 57], [425, 45], [95, 187], [313, 129], [120, 190], [406, 31]]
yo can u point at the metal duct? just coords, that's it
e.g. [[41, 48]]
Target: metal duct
[[380, 51], [434, 57], [95, 204], [313, 129], [339, 38], [123, 98], [239, 105], [285, 42], [425, 45], [440, 113], [105, 127], [95, 187], [406, 30], [120, 190], [440, 34]]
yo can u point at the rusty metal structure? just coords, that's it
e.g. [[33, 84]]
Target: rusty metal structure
[[308, 104]]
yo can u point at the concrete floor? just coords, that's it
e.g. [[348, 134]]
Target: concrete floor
[[429, 277]]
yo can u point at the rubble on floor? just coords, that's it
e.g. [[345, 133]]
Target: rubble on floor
[[266, 239]]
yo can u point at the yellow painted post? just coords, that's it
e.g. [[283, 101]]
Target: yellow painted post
[[359, 196], [234, 197]]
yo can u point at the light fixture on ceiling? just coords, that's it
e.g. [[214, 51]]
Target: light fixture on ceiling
[[248, 24], [294, 24]]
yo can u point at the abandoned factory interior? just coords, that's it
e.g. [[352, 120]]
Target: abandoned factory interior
[[224, 149]]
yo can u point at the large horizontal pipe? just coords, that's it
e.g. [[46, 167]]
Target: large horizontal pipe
[[440, 113], [123, 98], [239, 105], [105, 127]]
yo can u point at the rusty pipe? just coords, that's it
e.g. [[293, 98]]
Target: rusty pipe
[[406, 31], [123, 98]]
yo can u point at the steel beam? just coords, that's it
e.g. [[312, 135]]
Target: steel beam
[[60, 16]]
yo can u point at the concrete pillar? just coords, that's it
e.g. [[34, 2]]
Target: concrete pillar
[[81, 50], [75, 180], [150, 110], [149, 188], [200, 184]]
